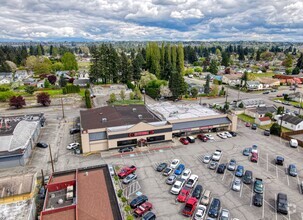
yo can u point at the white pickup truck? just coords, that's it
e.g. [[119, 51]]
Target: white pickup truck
[[217, 155]]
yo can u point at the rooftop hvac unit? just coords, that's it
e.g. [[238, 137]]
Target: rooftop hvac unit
[[104, 119], [70, 188], [140, 116], [69, 195], [52, 195], [60, 201]]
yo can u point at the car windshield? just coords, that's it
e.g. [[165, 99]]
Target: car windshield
[[207, 157], [205, 197], [175, 162], [190, 181], [129, 177], [185, 173], [293, 169], [177, 186]]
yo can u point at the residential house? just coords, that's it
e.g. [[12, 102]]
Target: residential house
[[81, 82], [83, 75], [20, 75], [291, 122], [269, 82], [259, 112], [40, 84], [29, 82], [263, 121], [249, 103], [232, 79], [65, 74], [297, 96], [5, 81], [254, 85]]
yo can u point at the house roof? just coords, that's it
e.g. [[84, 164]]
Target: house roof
[[266, 80], [265, 109], [264, 119], [292, 119], [233, 76], [80, 81], [115, 116], [294, 95], [253, 83]]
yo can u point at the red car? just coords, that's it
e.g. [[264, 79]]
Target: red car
[[182, 197], [254, 157], [184, 141], [126, 171], [190, 207], [142, 209], [202, 137], [247, 124]]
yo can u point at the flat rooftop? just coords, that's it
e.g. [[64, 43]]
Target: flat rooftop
[[16, 211], [16, 185], [111, 116], [94, 195], [170, 112]]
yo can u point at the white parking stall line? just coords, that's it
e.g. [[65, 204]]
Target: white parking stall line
[[263, 206], [252, 195], [299, 185], [276, 207], [277, 172], [224, 175], [231, 185], [267, 161], [241, 189], [286, 175]]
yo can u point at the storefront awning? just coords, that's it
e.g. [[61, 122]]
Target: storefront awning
[[200, 123]]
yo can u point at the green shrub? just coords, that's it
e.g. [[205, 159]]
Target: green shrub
[[4, 88], [88, 100], [5, 96], [130, 217], [123, 199], [116, 178], [130, 85], [120, 191], [70, 89]]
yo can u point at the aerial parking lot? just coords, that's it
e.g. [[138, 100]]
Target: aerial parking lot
[[239, 200]]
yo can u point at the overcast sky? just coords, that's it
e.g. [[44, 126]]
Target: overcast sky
[[262, 20]]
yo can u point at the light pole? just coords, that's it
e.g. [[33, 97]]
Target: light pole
[[300, 104], [62, 107], [51, 158]]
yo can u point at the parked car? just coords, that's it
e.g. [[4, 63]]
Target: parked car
[[149, 216], [239, 171], [224, 215], [278, 101], [176, 188], [282, 203], [293, 143], [184, 141], [161, 167], [191, 139], [221, 168], [254, 126], [72, 146], [232, 165], [292, 170], [209, 137], [279, 95], [124, 172], [138, 201], [171, 179], [236, 185], [246, 151], [200, 212], [184, 194], [174, 163], [207, 158], [266, 92], [206, 197], [111, 169], [247, 124], [42, 145], [248, 177], [258, 200], [197, 191], [191, 182], [254, 157], [227, 134], [202, 137], [190, 207], [217, 155], [125, 149], [42, 192], [74, 130], [234, 134], [142, 209], [258, 186], [167, 171], [254, 148], [222, 135], [267, 132], [214, 208], [129, 178], [279, 160], [179, 169], [186, 174], [213, 165]]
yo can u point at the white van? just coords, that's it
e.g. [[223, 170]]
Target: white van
[[293, 143]]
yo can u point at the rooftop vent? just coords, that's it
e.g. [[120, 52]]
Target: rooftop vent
[[86, 174], [60, 201], [140, 116], [104, 119], [134, 109]]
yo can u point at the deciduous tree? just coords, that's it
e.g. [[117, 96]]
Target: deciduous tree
[[43, 98], [17, 101]]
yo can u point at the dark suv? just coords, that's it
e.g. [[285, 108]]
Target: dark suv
[[282, 204], [279, 160], [74, 130], [214, 209], [248, 177], [42, 145], [197, 192], [138, 201]]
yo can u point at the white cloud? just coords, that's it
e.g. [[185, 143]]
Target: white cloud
[[191, 13]]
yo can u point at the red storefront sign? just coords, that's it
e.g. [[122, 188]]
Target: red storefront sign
[[141, 133]]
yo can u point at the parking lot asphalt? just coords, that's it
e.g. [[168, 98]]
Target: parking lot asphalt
[[276, 179]]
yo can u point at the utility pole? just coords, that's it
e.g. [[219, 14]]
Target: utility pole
[[51, 157], [300, 104], [281, 122], [62, 107]]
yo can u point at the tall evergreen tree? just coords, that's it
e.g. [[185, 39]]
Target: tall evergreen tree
[[137, 66], [177, 85], [207, 85], [300, 62], [167, 62], [213, 68], [258, 56], [225, 59], [180, 59], [174, 57], [124, 69]]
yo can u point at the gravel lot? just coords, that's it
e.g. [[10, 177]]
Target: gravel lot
[[152, 183]]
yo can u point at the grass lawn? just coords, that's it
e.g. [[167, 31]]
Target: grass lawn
[[260, 75], [52, 92], [82, 92], [128, 102], [268, 127], [246, 118], [290, 102]]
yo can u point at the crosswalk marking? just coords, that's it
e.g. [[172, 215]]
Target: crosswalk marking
[[131, 189]]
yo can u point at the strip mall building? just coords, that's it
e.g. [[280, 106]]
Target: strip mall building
[[112, 127]]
